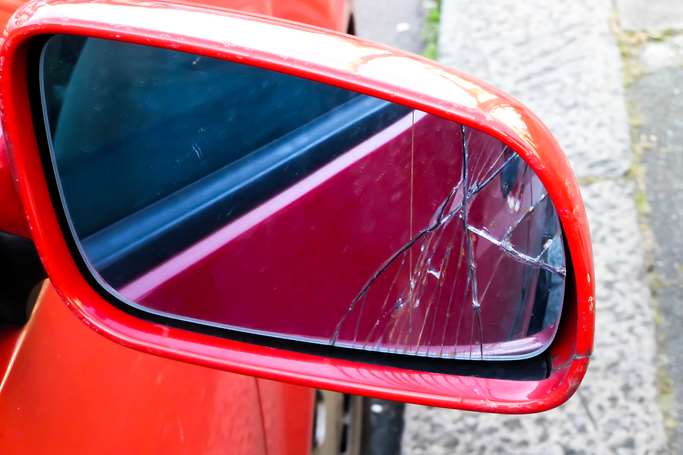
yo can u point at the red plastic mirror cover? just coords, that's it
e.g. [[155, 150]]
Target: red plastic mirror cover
[[334, 59]]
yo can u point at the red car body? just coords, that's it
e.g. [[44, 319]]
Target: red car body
[[66, 389]]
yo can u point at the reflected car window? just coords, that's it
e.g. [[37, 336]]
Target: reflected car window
[[136, 133], [161, 120]]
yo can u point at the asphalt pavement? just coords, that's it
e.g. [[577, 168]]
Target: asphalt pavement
[[606, 78]]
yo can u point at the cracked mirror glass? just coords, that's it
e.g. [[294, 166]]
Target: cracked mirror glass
[[231, 196]]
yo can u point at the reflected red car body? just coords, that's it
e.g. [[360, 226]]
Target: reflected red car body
[[66, 389], [329, 251], [299, 273]]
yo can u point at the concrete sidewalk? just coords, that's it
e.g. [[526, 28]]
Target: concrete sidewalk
[[561, 59]]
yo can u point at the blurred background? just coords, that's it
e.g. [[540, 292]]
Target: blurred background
[[606, 77]]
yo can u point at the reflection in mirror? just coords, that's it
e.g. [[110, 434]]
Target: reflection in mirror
[[238, 197]]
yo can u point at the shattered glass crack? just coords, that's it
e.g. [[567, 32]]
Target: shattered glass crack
[[483, 280]]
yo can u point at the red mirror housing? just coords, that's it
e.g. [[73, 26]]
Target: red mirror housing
[[12, 219], [334, 59]]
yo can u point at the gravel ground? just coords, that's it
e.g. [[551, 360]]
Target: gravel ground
[[395, 22], [561, 59], [656, 102]]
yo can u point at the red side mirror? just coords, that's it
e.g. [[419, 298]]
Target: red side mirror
[[282, 201]]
